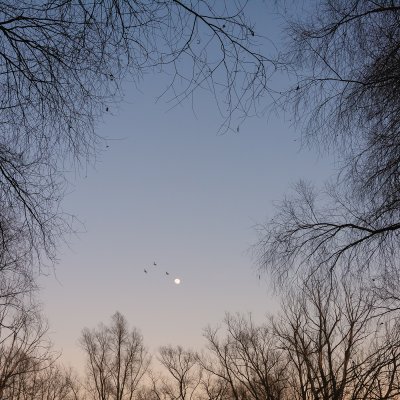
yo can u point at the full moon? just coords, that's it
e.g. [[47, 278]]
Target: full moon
[[177, 281]]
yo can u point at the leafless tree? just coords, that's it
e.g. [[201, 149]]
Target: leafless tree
[[376, 374], [24, 349], [336, 342], [62, 67], [246, 359], [183, 377], [17, 279], [329, 341], [116, 360], [214, 387], [345, 57], [51, 383]]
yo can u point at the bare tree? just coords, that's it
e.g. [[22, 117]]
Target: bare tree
[[345, 57], [336, 343], [376, 374], [214, 387], [116, 360], [246, 359], [17, 279], [184, 375], [24, 349], [52, 383], [326, 229], [62, 66]]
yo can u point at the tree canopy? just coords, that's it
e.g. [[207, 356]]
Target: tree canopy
[[345, 56], [62, 64]]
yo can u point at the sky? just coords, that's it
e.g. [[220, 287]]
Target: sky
[[167, 188]]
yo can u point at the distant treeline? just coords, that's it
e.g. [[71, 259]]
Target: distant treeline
[[330, 340]]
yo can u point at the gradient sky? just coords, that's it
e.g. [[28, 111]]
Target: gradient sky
[[169, 189]]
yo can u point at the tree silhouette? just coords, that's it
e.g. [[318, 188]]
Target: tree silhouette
[[62, 67], [345, 57], [116, 360]]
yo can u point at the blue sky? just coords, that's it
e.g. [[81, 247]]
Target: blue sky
[[170, 189]]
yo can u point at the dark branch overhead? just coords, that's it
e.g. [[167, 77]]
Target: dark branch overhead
[[346, 99], [62, 66]]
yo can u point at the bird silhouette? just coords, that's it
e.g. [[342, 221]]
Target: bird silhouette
[[145, 271], [154, 264], [166, 273]]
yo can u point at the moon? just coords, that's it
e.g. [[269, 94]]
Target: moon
[[177, 281]]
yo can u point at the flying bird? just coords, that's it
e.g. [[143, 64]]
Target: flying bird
[[147, 269]]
